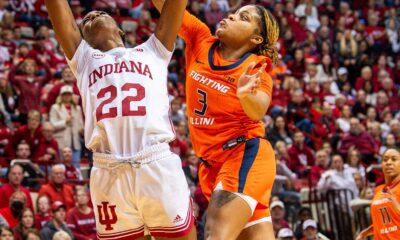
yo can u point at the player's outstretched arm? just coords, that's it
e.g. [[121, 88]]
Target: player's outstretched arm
[[158, 4], [65, 27], [170, 22]]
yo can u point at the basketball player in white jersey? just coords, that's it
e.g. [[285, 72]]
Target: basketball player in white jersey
[[137, 185]]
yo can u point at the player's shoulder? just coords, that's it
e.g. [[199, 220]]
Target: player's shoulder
[[260, 60], [205, 45], [379, 188]]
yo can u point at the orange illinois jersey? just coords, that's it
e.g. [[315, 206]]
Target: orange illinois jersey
[[385, 218], [215, 114]]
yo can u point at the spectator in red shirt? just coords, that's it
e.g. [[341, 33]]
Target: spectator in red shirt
[[358, 138], [301, 156], [328, 119], [71, 173], [300, 29], [40, 8], [41, 51], [57, 189], [377, 32], [30, 133], [321, 166], [366, 75], [15, 178], [42, 215], [382, 103], [277, 209], [280, 97], [382, 65], [298, 110], [348, 14], [57, 61], [29, 85], [80, 219], [374, 129], [48, 146], [392, 94], [180, 145], [21, 53], [312, 90], [67, 78], [297, 66], [146, 26], [201, 201], [11, 213]]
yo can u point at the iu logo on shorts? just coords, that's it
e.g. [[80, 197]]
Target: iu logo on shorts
[[106, 219]]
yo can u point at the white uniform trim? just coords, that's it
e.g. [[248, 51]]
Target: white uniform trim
[[155, 152], [266, 219], [249, 200]]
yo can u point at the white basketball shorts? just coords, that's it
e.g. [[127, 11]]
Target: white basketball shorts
[[145, 194]]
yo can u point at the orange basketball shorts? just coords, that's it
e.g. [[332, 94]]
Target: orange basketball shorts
[[250, 170]]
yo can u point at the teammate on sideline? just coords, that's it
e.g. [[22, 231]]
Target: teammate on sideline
[[137, 185], [385, 206], [228, 93]]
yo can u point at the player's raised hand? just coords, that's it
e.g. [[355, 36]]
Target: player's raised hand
[[249, 83]]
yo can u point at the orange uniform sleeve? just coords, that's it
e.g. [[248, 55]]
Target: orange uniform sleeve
[[266, 79], [266, 84], [193, 31]]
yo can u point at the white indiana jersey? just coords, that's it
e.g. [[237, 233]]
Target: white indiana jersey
[[124, 96]]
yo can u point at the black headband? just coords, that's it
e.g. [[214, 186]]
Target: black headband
[[260, 11]]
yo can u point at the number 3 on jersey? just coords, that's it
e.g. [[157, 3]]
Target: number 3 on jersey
[[203, 101], [125, 103]]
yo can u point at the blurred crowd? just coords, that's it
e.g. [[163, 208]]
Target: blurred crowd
[[334, 111]]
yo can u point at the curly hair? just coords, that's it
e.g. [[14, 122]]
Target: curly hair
[[270, 32]]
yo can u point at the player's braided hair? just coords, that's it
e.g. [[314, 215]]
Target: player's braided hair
[[270, 32]]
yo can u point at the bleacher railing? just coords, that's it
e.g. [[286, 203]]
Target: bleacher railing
[[333, 212]]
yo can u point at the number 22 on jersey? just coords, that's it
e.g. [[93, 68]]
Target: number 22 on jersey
[[108, 94]]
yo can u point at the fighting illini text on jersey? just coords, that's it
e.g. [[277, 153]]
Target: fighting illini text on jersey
[[215, 114], [386, 219], [124, 96]]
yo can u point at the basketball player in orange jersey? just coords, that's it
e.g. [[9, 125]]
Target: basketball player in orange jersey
[[385, 206], [228, 93], [137, 184]]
